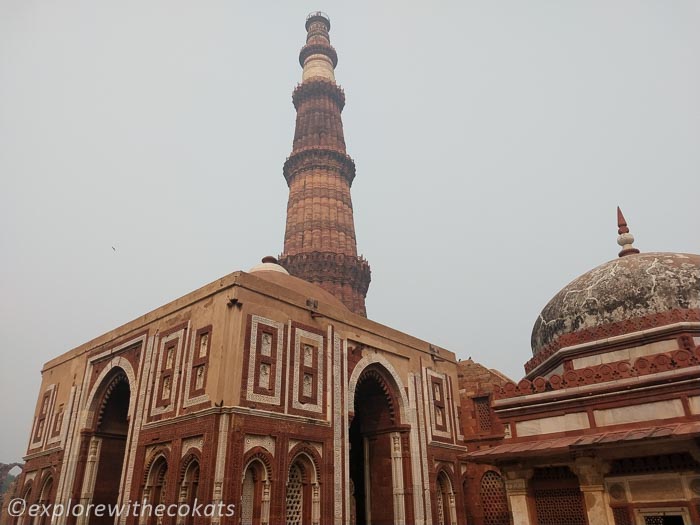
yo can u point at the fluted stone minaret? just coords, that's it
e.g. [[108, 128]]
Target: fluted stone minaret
[[319, 241]]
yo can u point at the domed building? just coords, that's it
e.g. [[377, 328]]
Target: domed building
[[268, 394], [604, 428]]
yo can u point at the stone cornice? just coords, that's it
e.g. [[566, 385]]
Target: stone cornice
[[318, 49], [318, 87], [319, 158], [330, 267], [609, 330]]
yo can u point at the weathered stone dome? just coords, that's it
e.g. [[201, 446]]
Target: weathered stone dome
[[628, 294]]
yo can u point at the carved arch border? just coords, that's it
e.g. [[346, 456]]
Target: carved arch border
[[260, 455], [94, 399], [155, 455], [191, 455], [48, 474], [380, 362], [444, 468], [27, 490], [312, 456]]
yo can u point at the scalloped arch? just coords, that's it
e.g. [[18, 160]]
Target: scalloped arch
[[158, 453], [381, 364], [191, 456], [259, 455], [116, 365], [309, 455]]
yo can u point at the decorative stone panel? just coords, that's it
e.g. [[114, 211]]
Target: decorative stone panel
[[264, 361], [168, 370], [251, 441], [308, 392], [197, 367], [439, 404]]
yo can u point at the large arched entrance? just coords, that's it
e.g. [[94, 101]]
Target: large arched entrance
[[375, 450], [107, 444]]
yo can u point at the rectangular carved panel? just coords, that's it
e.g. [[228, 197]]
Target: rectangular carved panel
[[308, 371], [264, 361], [197, 367], [168, 370]]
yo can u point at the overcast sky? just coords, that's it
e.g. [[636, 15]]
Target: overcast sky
[[493, 141]]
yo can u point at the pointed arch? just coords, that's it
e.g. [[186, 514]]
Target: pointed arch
[[117, 365], [312, 460], [189, 490], [190, 455], [153, 456], [303, 488], [390, 379], [107, 418], [263, 457], [445, 496], [26, 496], [156, 487], [256, 483], [27, 490], [46, 495]]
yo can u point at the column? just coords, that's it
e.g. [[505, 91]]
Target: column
[[591, 472], [397, 479], [265, 505], [91, 466], [315, 504], [516, 486], [182, 499]]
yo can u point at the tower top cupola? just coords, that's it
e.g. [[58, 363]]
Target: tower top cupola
[[317, 57]]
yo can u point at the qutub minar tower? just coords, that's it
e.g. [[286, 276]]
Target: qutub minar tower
[[319, 241]]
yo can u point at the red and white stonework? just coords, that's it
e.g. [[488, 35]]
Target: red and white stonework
[[274, 391], [263, 389]]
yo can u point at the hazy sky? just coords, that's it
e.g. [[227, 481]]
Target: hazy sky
[[493, 141]]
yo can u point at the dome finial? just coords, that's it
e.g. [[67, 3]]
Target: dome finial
[[625, 238]]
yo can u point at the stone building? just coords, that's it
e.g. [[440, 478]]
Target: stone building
[[271, 389], [262, 389], [604, 428]]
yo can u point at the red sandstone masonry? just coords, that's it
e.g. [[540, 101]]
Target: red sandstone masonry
[[319, 242]]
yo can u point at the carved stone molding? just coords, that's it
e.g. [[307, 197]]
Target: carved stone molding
[[252, 441], [319, 158], [196, 442]]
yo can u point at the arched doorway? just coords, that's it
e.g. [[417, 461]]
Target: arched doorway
[[375, 450], [255, 494], [107, 444]]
